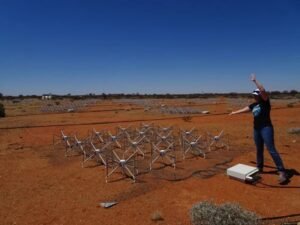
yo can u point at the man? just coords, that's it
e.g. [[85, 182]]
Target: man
[[263, 129]]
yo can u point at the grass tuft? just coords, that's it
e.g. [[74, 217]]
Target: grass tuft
[[207, 213]]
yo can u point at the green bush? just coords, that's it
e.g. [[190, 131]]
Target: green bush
[[207, 213], [2, 110]]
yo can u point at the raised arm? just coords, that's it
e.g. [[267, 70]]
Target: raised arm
[[263, 93], [243, 110]]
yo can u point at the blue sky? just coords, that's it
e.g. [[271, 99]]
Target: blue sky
[[148, 46]]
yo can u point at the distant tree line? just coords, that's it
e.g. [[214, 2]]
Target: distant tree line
[[273, 94]]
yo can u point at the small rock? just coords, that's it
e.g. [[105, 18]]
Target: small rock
[[156, 216], [107, 204], [294, 141]]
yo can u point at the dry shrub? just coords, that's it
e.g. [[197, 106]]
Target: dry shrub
[[2, 110], [187, 118], [294, 130], [207, 213]]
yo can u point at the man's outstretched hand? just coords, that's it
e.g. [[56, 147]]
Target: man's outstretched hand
[[253, 77]]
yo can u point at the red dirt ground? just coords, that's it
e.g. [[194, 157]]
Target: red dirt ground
[[38, 185]]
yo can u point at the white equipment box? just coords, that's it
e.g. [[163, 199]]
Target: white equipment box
[[243, 172]]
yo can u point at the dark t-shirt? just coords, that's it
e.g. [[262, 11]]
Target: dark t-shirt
[[261, 112]]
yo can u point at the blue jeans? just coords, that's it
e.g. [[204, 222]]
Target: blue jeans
[[265, 135]]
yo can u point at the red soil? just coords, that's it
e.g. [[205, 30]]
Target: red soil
[[38, 185]]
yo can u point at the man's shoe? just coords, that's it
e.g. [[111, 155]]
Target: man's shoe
[[282, 178]]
